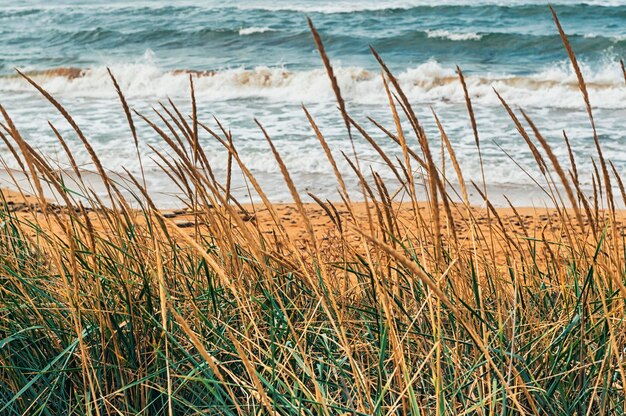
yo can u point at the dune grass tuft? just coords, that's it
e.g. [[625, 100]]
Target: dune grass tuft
[[413, 308]]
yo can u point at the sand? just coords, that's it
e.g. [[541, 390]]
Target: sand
[[474, 227]]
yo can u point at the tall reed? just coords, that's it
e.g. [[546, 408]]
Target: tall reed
[[396, 307]]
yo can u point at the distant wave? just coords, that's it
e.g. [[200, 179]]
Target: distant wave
[[321, 6], [612, 38], [331, 7], [428, 82], [444, 34], [252, 30]]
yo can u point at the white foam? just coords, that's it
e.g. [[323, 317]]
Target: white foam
[[613, 39], [251, 30], [104, 123], [321, 6], [429, 82], [444, 34], [346, 6]]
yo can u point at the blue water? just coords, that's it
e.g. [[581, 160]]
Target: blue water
[[258, 58], [518, 38]]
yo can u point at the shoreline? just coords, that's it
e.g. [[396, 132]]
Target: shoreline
[[477, 227], [522, 196]]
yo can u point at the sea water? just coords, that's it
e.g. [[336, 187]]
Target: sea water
[[257, 59]]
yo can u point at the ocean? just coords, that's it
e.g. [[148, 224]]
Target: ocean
[[257, 59]]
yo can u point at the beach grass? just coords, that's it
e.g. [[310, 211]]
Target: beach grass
[[398, 306]]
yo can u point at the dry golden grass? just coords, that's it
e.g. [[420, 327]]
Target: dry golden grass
[[384, 306]]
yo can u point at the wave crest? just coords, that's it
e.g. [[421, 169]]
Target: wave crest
[[252, 30], [444, 34], [429, 82]]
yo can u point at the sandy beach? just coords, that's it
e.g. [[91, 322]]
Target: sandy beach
[[498, 230]]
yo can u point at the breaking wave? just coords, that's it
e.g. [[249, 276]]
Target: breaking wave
[[556, 87], [444, 34], [252, 30]]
